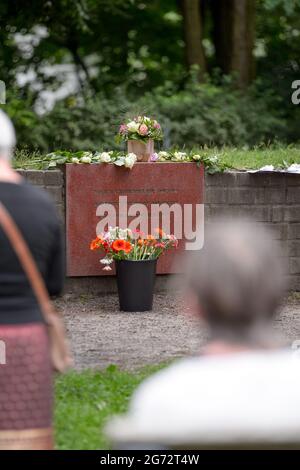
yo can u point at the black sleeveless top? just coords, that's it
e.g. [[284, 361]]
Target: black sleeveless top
[[34, 214]]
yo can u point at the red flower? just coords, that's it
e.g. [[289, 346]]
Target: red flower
[[105, 246]]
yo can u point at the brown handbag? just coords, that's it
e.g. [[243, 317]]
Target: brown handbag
[[59, 349]]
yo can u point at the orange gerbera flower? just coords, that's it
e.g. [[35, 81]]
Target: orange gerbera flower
[[95, 244], [128, 247], [151, 240], [121, 245], [118, 245]]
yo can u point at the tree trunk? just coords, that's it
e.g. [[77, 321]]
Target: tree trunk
[[221, 14], [193, 35], [234, 26], [242, 60]]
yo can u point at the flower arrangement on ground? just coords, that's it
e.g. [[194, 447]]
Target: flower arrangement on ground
[[135, 256], [123, 244]]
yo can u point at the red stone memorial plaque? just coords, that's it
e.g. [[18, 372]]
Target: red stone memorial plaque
[[94, 191]]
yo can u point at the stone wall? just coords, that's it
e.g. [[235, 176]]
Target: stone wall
[[273, 200], [52, 182]]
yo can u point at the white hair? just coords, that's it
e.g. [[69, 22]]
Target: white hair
[[7, 136]]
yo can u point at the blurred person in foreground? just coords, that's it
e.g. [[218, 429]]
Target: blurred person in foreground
[[26, 377], [243, 390]]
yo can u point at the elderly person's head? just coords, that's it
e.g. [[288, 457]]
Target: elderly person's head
[[236, 279], [7, 138]]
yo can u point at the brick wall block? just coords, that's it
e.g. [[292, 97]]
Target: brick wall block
[[36, 177], [53, 178], [292, 213], [215, 195], [277, 213], [295, 265], [275, 195], [293, 195], [293, 282], [258, 213], [294, 247], [56, 193], [241, 196], [227, 179], [294, 231]]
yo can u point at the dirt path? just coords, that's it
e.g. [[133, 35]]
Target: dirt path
[[101, 335]]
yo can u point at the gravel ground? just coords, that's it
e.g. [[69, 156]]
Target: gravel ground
[[101, 335]]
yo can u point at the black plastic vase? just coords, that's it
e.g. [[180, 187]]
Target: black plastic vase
[[136, 284]]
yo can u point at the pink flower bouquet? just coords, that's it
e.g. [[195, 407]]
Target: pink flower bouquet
[[141, 128]]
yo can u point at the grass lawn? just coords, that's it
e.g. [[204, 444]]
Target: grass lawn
[[85, 400], [256, 158], [235, 158]]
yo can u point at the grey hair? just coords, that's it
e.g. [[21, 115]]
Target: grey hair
[[237, 277], [7, 137]]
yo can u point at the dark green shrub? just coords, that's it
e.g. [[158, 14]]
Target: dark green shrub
[[198, 115]]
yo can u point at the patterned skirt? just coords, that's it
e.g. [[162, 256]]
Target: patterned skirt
[[25, 388]]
